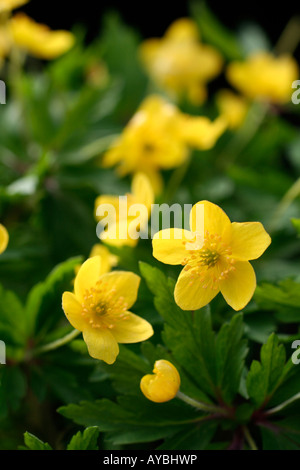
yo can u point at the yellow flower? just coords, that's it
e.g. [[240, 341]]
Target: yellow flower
[[127, 216], [215, 255], [99, 308], [232, 107], [159, 137], [37, 39], [179, 63], [4, 237], [264, 77], [9, 5], [163, 385]]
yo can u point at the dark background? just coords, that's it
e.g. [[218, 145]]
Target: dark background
[[152, 17]]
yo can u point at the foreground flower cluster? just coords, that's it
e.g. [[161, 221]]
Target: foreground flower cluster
[[148, 236]]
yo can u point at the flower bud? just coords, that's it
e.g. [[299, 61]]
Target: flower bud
[[163, 385]]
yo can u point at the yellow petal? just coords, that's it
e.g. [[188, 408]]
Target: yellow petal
[[206, 216], [38, 39], [4, 237], [108, 260], [169, 245], [132, 329], [122, 284], [107, 207], [8, 5], [200, 132], [119, 235], [73, 310], [183, 29], [87, 276], [249, 240], [163, 385], [101, 344], [192, 293], [142, 190], [240, 285]]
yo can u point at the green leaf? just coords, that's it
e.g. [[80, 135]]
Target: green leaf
[[283, 298], [280, 437], [132, 420], [13, 328], [213, 362], [264, 377], [86, 440], [33, 443], [214, 32], [231, 351], [12, 389], [191, 438], [43, 307]]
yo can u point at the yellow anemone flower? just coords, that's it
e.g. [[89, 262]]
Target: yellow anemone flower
[[99, 308], [264, 77], [9, 5], [4, 237], [163, 385], [215, 255], [179, 63], [38, 39], [232, 107], [125, 217], [159, 137]]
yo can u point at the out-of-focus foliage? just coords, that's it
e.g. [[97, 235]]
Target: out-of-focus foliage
[[59, 119]]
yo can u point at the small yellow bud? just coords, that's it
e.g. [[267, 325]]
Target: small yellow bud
[[4, 237], [163, 385]]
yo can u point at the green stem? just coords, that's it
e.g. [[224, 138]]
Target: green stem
[[282, 405], [54, 344], [244, 135], [249, 438], [198, 404], [176, 180], [284, 204]]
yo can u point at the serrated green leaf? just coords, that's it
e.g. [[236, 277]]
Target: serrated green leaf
[[86, 440], [132, 420], [43, 306], [264, 377], [34, 443]]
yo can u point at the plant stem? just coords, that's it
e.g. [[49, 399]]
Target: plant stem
[[245, 134], [249, 438], [175, 180], [198, 404], [285, 202], [282, 405], [54, 344]]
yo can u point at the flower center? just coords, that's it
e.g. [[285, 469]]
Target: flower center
[[208, 259], [102, 308]]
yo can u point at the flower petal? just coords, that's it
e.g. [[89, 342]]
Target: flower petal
[[191, 293], [101, 344], [240, 285], [3, 238], [73, 310], [142, 190], [87, 276], [249, 240], [206, 216], [168, 245], [122, 284], [132, 329]]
